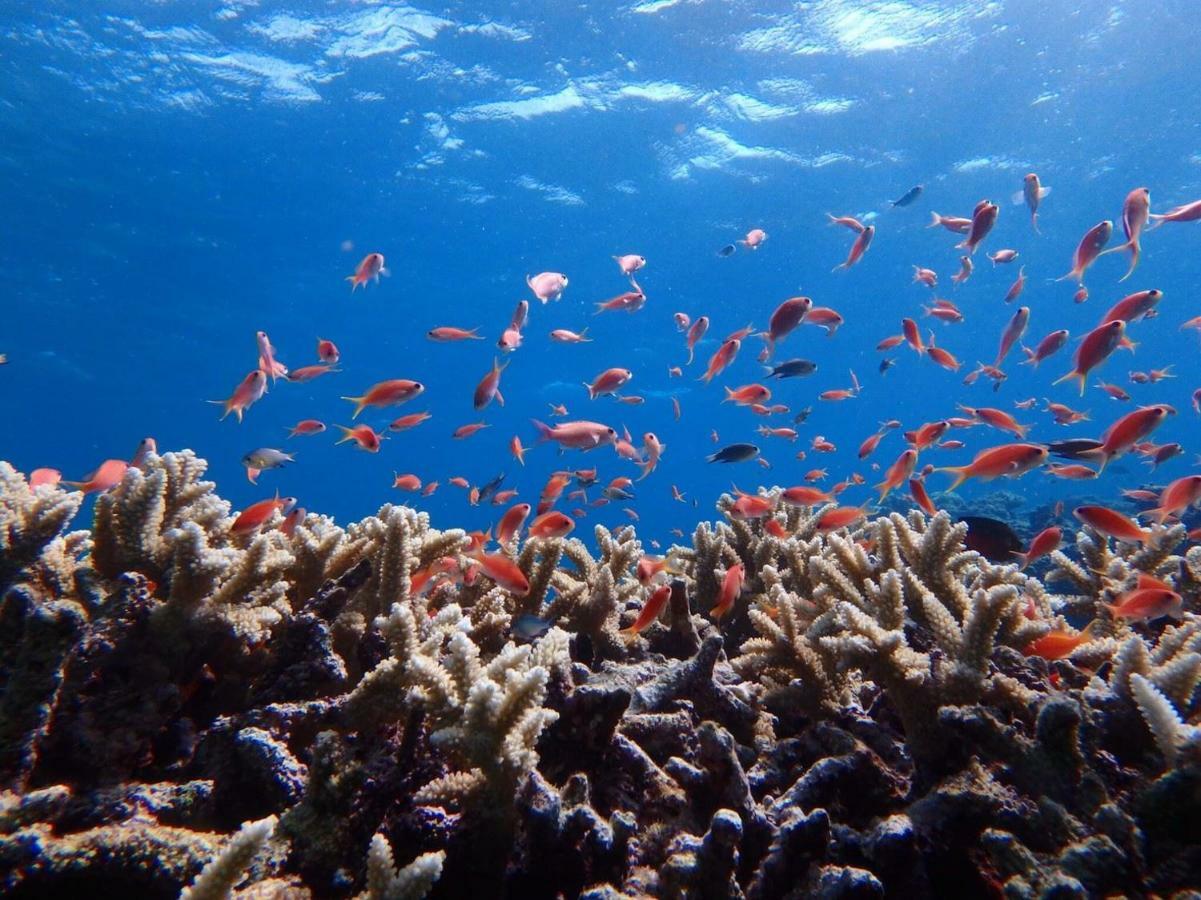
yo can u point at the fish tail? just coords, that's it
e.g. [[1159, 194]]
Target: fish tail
[[841, 265], [359, 406], [1031, 359], [1074, 375], [960, 473], [1076, 274], [1034, 222], [690, 356], [935, 219], [545, 432], [1135, 252]]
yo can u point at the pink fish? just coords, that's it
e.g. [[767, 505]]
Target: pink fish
[[1012, 333], [1088, 250], [547, 286], [983, 219], [1135, 212], [862, 242]]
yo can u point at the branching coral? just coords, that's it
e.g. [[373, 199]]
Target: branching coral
[[870, 718]]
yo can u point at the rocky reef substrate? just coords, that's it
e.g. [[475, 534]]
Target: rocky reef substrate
[[186, 709]]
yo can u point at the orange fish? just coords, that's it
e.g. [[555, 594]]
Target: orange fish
[[1126, 432], [406, 482], [965, 270], [268, 364], [363, 435], [927, 435], [983, 219], [847, 222], [1151, 599], [917, 490], [1188, 212], [552, 524], [412, 420], [1094, 349], [898, 473], [1048, 346], [824, 317], [1112, 523], [950, 223], [721, 359], [1045, 542], [466, 431], [511, 522], [997, 418], [695, 333], [1032, 193], [108, 475], [1072, 473], [862, 242], [1135, 211], [327, 351], [1057, 644], [517, 450], [839, 517], [563, 336], [1176, 497], [650, 610], [731, 587], [247, 393], [255, 515], [489, 387], [747, 394], [448, 333], [294, 518], [504, 571], [608, 382], [1005, 461], [39, 477], [308, 373], [913, 335], [386, 393], [368, 270], [1088, 250]]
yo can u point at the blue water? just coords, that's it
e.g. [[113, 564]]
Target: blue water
[[175, 177]]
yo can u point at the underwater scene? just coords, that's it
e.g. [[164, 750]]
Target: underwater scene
[[658, 448]]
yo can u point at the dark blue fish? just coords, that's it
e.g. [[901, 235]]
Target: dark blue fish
[[1072, 448], [886, 363], [492, 487], [802, 415], [792, 368], [734, 453], [727, 250], [910, 195]]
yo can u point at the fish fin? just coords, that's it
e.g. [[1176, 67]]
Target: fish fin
[[1018, 197], [960, 473], [935, 220]]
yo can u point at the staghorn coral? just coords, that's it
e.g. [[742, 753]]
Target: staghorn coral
[[864, 723]]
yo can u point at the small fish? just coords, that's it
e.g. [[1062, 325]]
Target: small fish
[[257, 514], [368, 270], [909, 196], [754, 239], [564, 336], [327, 352], [792, 368], [386, 393], [950, 223], [46, 476], [731, 588], [363, 435], [1112, 523], [1031, 194], [1094, 349], [1135, 213], [267, 458], [802, 414], [528, 627], [246, 394], [108, 475], [1087, 252], [886, 363], [412, 420], [308, 373], [1004, 461], [1151, 599], [552, 524], [547, 286], [448, 333], [1044, 543], [489, 387], [608, 382], [630, 263], [727, 250], [846, 222], [407, 482], [862, 242], [734, 453], [984, 217], [650, 611]]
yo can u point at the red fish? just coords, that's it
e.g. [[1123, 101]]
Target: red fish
[[650, 610], [950, 223], [306, 427], [577, 435], [270, 366], [1188, 212], [466, 431], [257, 514], [824, 317], [839, 517], [448, 333], [363, 435], [406, 482], [927, 434], [1045, 542], [630, 301], [552, 524], [928, 277], [489, 387], [1112, 523], [1128, 431], [787, 316], [803, 497], [847, 222], [368, 270], [412, 420], [983, 219], [246, 394], [563, 336], [511, 522], [1177, 497], [1005, 461], [913, 335], [1013, 333], [386, 393], [108, 475], [327, 352], [1135, 211], [1057, 644], [898, 473], [862, 242], [731, 587], [1032, 193], [917, 490], [997, 418], [1015, 289], [608, 382], [721, 359], [965, 270], [42, 476], [1048, 346], [1151, 599], [695, 333], [1094, 349], [504, 571], [1088, 250]]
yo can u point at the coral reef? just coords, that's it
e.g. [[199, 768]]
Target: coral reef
[[185, 708]]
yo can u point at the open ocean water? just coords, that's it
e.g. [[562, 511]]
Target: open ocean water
[[178, 176]]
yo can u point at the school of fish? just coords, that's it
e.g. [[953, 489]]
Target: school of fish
[[1003, 449]]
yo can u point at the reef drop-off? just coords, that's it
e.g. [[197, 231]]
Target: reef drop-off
[[186, 709]]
